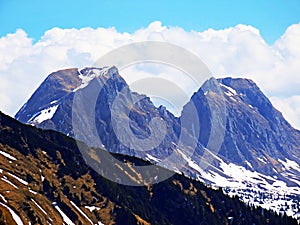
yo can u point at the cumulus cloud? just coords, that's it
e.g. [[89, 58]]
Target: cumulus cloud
[[238, 51], [290, 108]]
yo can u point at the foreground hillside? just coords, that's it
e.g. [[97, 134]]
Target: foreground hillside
[[45, 180]]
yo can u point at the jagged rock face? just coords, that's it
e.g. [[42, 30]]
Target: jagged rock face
[[254, 128], [238, 128], [267, 130]]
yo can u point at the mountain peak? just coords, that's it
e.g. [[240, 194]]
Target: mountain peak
[[229, 86], [89, 73], [44, 102], [96, 72], [238, 84], [210, 85]]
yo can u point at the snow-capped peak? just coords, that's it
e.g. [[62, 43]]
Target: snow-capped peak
[[89, 73]]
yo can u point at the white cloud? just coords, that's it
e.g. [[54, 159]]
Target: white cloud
[[237, 51], [290, 106]]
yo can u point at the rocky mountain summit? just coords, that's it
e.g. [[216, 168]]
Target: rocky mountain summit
[[228, 135]]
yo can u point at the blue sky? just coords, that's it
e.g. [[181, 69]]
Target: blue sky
[[35, 16], [232, 47]]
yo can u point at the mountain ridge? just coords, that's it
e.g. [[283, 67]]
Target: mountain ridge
[[239, 129]]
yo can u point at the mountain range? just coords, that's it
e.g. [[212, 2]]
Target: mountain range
[[237, 141]]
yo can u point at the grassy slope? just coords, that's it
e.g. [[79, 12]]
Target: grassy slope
[[56, 172]]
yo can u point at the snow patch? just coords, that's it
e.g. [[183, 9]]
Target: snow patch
[[255, 188], [191, 163], [92, 208], [231, 90], [152, 158], [33, 192], [19, 179], [290, 164], [16, 218], [82, 213], [39, 206], [90, 75], [66, 219], [7, 155], [249, 164], [9, 182], [45, 114], [262, 160], [251, 187], [3, 198], [233, 99]]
